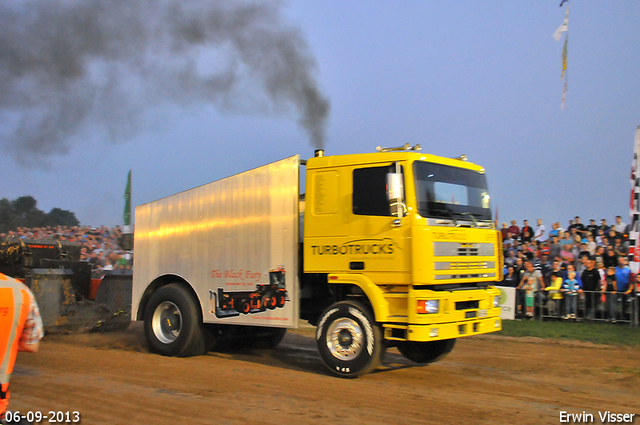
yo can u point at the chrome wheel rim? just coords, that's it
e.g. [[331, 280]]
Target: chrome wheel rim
[[167, 322], [345, 339]]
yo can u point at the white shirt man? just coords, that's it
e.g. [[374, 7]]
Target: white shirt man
[[540, 234], [620, 226]]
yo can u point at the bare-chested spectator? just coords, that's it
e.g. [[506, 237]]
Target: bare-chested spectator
[[529, 287], [567, 255]]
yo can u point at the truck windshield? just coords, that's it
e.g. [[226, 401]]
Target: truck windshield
[[451, 192]]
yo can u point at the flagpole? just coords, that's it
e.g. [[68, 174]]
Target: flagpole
[[565, 58], [127, 236]]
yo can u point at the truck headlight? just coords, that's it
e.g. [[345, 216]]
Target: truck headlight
[[428, 306], [496, 301]]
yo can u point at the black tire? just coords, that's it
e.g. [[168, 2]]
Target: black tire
[[349, 341], [426, 352], [172, 323]]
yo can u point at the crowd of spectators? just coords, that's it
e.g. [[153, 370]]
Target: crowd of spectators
[[100, 246], [558, 267]]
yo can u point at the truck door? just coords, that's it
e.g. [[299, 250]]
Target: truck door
[[378, 244]]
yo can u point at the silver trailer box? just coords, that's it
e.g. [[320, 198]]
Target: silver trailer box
[[234, 241]]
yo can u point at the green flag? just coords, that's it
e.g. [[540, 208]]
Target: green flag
[[127, 203]]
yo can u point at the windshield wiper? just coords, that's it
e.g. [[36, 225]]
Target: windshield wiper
[[453, 217], [473, 217]]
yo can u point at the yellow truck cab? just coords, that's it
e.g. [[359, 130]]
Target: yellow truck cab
[[399, 250]]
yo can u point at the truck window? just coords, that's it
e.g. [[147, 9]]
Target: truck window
[[370, 191], [450, 192]]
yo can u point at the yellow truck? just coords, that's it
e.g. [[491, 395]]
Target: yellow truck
[[391, 248]]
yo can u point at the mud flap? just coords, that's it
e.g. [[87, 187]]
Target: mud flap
[[114, 295]]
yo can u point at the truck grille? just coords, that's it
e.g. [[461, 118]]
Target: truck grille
[[456, 249], [466, 251], [464, 276], [464, 265], [467, 305]]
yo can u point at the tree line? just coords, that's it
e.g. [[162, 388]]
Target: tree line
[[23, 212]]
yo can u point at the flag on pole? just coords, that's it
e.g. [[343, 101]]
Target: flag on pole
[[127, 205], [564, 27], [564, 56], [634, 251]]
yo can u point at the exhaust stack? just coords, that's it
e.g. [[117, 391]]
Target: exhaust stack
[[319, 153]]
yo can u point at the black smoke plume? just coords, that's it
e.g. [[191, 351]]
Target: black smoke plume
[[72, 67]]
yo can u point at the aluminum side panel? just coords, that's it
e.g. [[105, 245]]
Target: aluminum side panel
[[226, 235]]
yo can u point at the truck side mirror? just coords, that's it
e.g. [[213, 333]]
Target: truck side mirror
[[395, 194]]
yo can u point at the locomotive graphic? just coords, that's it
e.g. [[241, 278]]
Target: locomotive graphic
[[266, 296]]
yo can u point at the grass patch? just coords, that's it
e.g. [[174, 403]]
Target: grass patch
[[598, 333]]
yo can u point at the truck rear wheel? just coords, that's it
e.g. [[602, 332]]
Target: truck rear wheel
[[349, 340], [426, 352], [172, 324]]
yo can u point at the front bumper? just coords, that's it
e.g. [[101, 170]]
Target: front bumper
[[437, 331], [461, 313]]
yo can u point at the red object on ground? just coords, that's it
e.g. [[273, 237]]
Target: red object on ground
[[93, 288]]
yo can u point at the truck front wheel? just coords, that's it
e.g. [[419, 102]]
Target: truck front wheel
[[349, 340], [426, 352], [172, 325]]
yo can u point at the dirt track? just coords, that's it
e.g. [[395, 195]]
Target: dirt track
[[112, 379]]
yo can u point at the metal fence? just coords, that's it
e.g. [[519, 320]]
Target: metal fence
[[594, 306]]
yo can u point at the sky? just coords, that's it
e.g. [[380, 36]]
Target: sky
[[467, 77]]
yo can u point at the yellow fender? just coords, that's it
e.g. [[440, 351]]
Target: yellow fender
[[373, 292]]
